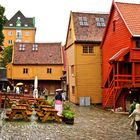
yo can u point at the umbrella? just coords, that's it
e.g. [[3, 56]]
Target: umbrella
[[36, 82], [59, 89], [19, 84], [35, 92]]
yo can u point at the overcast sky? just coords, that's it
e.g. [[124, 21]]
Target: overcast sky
[[52, 16]]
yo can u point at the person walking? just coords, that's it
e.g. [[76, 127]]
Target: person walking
[[45, 92], [136, 115], [58, 102]]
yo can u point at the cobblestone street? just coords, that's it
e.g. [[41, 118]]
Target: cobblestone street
[[91, 123]]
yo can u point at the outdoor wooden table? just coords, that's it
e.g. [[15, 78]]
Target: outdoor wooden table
[[45, 106], [18, 112], [50, 113]]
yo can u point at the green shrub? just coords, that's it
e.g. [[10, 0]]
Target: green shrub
[[69, 114]]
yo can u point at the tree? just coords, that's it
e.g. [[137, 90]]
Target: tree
[[6, 56], [3, 20]]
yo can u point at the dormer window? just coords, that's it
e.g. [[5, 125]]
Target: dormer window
[[35, 47], [83, 21], [10, 24], [22, 47], [100, 22]]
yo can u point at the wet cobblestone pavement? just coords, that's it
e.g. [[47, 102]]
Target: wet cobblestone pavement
[[91, 123]]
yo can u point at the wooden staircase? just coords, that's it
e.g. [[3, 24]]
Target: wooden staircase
[[111, 96]]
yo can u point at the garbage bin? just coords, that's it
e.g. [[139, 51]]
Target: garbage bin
[[84, 101]]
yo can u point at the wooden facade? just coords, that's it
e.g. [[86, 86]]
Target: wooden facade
[[121, 56], [84, 56], [43, 60]]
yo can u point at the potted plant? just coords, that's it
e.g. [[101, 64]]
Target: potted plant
[[68, 115]]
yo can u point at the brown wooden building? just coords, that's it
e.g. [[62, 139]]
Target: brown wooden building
[[44, 60]]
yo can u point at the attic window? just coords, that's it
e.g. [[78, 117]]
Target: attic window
[[35, 47], [10, 24], [100, 22], [22, 47], [83, 21]]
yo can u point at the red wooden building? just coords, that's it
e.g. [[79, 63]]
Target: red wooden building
[[121, 56]]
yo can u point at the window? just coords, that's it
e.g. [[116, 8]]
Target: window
[[26, 25], [10, 24], [27, 33], [10, 33], [25, 70], [18, 22], [73, 89], [114, 25], [35, 47], [83, 21], [18, 34], [22, 47], [137, 44], [49, 70], [10, 41], [87, 49], [72, 70], [100, 22]]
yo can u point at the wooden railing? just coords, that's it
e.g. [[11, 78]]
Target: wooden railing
[[117, 84]]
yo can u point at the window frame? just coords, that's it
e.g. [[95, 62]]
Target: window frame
[[25, 70], [88, 49], [83, 21], [49, 70]]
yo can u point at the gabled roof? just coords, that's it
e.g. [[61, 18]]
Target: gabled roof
[[46, 53], [121, 53], [90, 32], [25, 22], [130, 13]]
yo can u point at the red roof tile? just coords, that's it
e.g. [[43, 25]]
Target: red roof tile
[[47, 53], [90, 32], [131, 15]]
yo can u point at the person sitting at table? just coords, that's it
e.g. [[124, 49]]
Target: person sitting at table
[[58, 102]]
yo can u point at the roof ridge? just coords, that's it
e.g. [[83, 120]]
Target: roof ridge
[[90, 12]]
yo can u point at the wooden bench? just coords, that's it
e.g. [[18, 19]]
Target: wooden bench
[[29, 113], [40, 114]]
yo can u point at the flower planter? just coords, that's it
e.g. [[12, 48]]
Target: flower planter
[[68, 121]]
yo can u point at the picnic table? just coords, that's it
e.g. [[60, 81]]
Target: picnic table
[[19, 112], [48, 114]]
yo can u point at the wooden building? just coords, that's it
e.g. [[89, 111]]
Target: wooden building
[[121, 56], [84, 35], [44, 60], [19, 29]]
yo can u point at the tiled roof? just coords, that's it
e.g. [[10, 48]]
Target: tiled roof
[[131, 15], [24, 21], [47, 53], [90, 32]]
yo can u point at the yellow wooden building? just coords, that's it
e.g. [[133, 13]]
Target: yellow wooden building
[[19, 29], [84, 35], [44, 60]]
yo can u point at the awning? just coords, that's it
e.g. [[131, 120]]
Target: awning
[[121, 53]]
